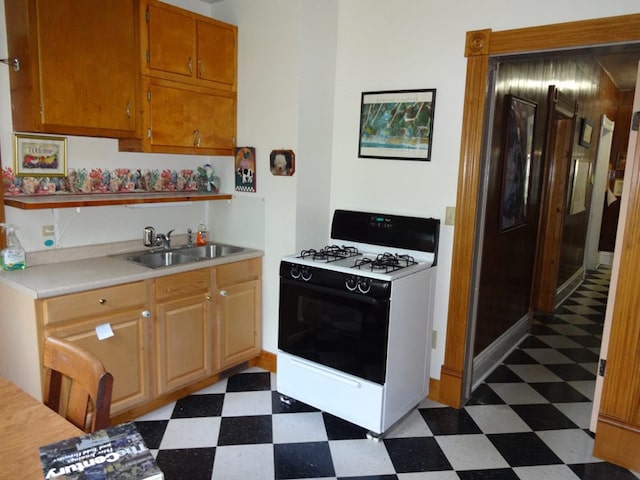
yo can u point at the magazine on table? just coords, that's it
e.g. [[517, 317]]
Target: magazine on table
[[114, 453]]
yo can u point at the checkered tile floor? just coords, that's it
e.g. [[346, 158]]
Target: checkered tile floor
[[529, 420]]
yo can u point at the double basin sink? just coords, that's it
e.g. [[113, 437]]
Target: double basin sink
[[181, 255]]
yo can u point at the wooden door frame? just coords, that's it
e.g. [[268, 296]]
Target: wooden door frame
[[480, 46]]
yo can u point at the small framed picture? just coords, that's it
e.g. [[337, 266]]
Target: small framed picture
[[282, 162], [39, 156], [586, 131], [245, 165]]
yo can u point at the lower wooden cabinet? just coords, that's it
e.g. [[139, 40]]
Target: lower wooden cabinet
[[126, 354], [183, 330], [170, 333], [238, 312]]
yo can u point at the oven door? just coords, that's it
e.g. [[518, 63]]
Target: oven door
[[342, 330]]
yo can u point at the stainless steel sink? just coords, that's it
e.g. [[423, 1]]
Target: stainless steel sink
[[213, 250], [162, 259], [180, 255]]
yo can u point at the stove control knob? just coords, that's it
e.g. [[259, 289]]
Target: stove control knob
[[295, 271], [364, 285], [305, 273], [351, 283]]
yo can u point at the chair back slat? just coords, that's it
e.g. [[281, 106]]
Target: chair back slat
[[87, 402]]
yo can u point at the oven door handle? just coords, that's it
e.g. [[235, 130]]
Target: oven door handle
[[324, 373], [332, 291]]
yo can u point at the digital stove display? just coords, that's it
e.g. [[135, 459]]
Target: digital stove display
[[379, 221]]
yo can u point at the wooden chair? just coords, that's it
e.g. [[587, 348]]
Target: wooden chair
[[90, 384]]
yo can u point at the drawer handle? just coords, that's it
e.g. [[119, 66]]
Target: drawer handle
[[102, 301], [324, 373]]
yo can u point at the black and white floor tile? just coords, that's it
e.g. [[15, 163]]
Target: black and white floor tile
[[528, 420]]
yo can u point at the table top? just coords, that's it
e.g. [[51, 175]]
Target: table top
[[25, 425]]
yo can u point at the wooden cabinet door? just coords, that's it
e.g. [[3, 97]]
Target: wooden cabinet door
[[79, 66], [186, 119], [239, 321], [216, 53], [125, 354], [171, 41], [184, 339]]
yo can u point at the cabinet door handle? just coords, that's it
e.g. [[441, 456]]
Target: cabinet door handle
[[208, 298], [190, 66], [146, 314], [224, 293], [200, 68], [102, 301], [197, 138]]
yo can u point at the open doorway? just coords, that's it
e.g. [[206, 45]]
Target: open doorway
[[481, 47], [533, 264]]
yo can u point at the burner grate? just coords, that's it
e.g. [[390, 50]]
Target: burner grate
[[330, 253], [385, 262]]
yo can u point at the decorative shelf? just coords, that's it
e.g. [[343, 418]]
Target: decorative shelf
[[71, 200]]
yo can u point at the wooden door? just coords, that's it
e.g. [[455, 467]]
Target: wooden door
[[239, 322], [184, 342], [557, 159], [171, 42], [618, 417], [95, 87], [191, 119], [216, 47], [125, 355]]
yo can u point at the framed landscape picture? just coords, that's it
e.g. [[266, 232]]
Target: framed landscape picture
[[397, 124]]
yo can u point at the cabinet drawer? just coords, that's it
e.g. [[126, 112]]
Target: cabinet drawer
[[181, 284], [232, 273], [93, 303]]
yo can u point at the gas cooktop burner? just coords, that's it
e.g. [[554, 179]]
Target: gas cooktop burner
[[386, 262], [330, 253]]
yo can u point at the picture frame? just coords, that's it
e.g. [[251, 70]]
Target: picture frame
[[517, 155], [39, 156], [282, 163], [245, 169], [397, 124], [586, 132]]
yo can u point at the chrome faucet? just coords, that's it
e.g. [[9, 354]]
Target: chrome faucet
[[150, 239]]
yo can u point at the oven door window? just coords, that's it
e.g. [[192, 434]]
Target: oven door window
[[342, 330]]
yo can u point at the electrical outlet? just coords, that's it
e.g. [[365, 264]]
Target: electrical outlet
[[49, 236], [450, 216], [434, 339]]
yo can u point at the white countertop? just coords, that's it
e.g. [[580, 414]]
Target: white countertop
[[53, 279]]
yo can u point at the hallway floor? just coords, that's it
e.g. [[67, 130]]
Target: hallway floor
[[529, 420]]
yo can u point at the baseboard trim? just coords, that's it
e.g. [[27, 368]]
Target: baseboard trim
[[605, 258], [434, 390], [266, 360], [565, 290], [490, 357]]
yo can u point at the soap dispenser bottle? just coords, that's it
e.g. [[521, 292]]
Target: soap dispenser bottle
[[13, 257], [202, 237]]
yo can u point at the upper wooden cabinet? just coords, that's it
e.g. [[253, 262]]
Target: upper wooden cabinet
[[79, 66], [188, 66], [183, 46]]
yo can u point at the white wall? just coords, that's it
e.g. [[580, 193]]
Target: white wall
[[379, 45]]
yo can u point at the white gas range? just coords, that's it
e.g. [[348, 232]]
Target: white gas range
[[355, 318]]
